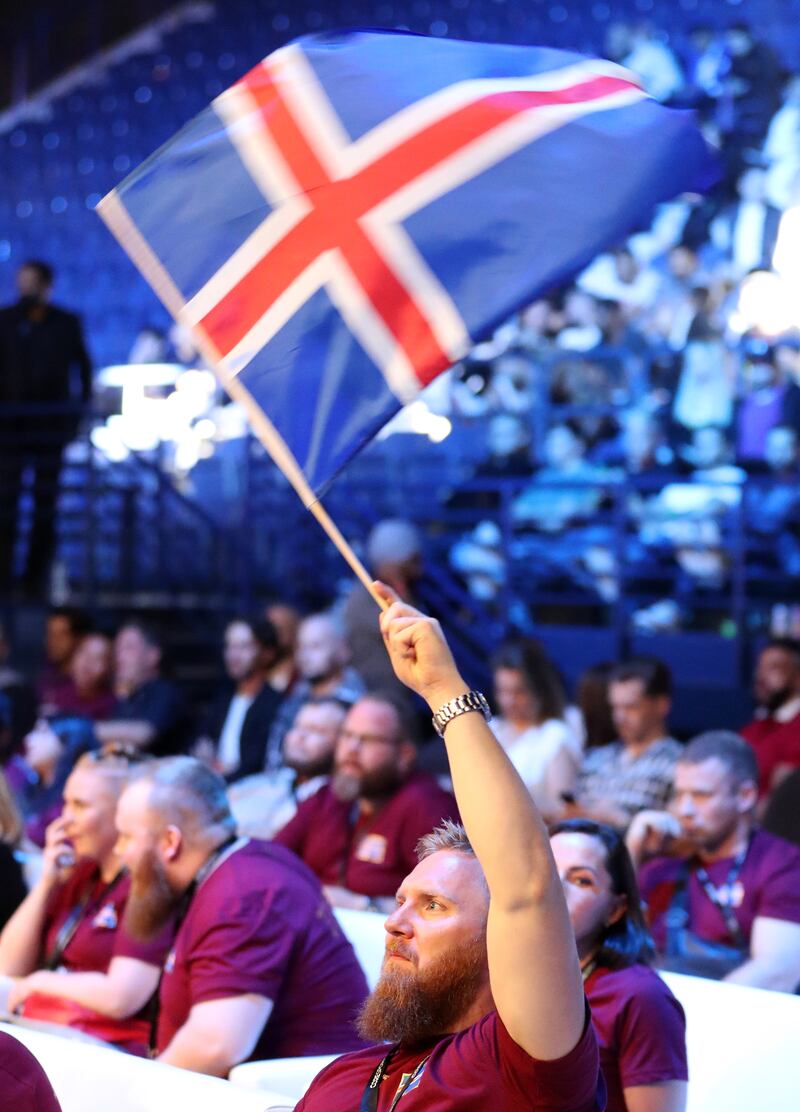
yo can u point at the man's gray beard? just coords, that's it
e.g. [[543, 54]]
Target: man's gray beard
[[411, 1007], [152, 902]]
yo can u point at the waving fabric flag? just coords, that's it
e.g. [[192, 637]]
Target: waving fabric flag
[[355, 213]]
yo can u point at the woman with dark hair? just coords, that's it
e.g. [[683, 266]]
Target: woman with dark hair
[[640, 1026], [594, 707], [531, 724]]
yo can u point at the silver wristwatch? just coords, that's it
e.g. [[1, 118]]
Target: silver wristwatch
[[462, 704]]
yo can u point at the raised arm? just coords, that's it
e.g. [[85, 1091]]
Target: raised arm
[[533, 963]]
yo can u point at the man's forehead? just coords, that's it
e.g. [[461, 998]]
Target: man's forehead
[[710, 773], [320, 714], [373, 712], [136, 796], [447, 872], [632, 688]]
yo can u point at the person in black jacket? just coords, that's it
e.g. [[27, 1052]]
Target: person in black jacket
[[239, 723], [45, 381]]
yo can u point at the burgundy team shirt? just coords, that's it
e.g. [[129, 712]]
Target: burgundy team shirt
[[640, 1027], [367, 854], [480, 1069], [260, 924], [98, 937], [24, 1086], [774, 743], [768, 886]]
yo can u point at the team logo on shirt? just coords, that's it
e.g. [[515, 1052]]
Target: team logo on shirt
[[408, 1086], [731, 895], [169, 964], [372, 848], [106, 918]]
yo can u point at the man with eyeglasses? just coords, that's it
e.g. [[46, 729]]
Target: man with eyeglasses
[[359, 832]]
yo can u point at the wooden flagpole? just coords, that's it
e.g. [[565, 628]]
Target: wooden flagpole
[[119, 222]]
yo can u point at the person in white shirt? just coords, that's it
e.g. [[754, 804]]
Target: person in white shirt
[[531, 724], [263, 803]]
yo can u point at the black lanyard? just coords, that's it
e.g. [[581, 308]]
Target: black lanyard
[[714, 892], [73, 920], [369, 1101]]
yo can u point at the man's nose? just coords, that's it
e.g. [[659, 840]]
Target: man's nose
[[684, 805], [398, 922]]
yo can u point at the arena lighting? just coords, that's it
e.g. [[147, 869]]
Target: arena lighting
[[418, 418], [768, 305], [786, 256]]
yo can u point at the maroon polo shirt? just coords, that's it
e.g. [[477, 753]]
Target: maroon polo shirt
[[480, 1069], [768, 886], [260, 924], [774, 743], [98, 937], [640, 1027], [24, 1086], [368, 854]]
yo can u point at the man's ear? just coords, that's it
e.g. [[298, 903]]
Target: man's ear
[[171, 843], [746, 797]]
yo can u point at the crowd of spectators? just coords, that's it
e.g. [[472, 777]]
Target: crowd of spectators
[[659, 384], [170, 873]]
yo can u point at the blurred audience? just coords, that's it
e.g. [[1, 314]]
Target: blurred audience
[[531, 726], [774, 732], [241, 717], [51, 751], [634, 772], [640, 1025], [282, 672], [394, 555], [64, 630], [150, 712], [90, 693], [264, 803], [67, 947], [259, 967], [359, 832], [723, 897], [322, 659]]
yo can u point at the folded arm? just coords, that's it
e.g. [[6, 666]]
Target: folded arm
[[120, 992]]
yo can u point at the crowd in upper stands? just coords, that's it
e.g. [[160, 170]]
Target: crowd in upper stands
[[654, 370]]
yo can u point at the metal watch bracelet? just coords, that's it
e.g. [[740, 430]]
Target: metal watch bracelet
[[462, 704]]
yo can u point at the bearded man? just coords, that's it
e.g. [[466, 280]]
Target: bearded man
[[480, 998], [359, 833], [259, 967], [774, 732]]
